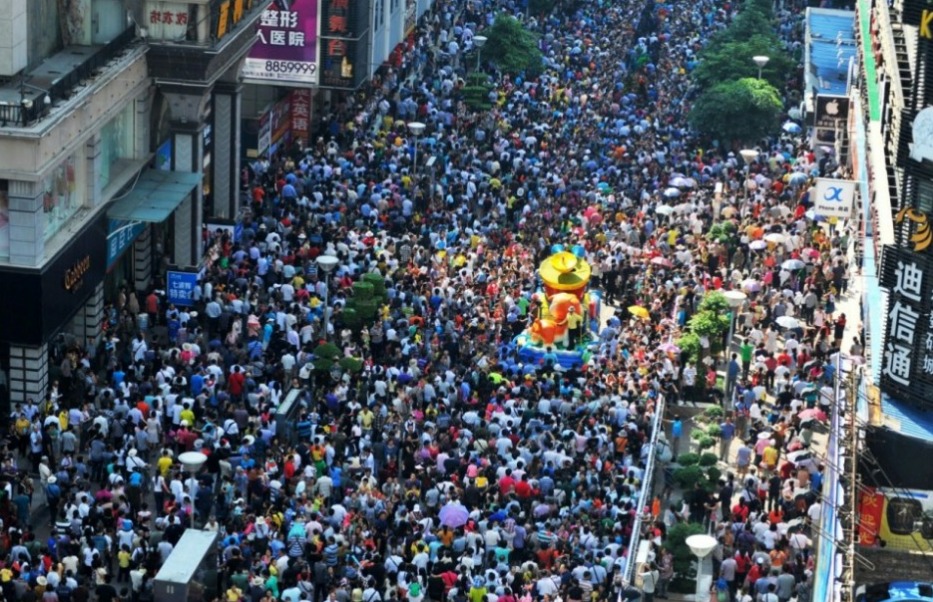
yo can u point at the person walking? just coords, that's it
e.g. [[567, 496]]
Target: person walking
[[650, 576]]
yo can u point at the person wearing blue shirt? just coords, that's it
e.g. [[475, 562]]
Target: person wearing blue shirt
[[197, 383], [726, 434], [732, 374]]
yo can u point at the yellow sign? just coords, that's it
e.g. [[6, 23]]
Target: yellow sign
[[226, 21], [75, 274], [922, 237], [926, 21]]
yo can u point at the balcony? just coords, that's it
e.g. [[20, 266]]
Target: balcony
[[197, 45], [28, 99]]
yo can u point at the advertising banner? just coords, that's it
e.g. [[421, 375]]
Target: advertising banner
[[833, 198], [286, 51], [301, 114], [870, 512], [180, 287], [907, 519]]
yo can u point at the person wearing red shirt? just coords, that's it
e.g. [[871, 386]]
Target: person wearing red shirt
[[236, 383], [523, 489], [506, 483]]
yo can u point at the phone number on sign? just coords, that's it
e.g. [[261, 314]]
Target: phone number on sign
[[289, 67]]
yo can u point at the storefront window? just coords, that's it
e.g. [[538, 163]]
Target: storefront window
[[63, 194], [116, 145]]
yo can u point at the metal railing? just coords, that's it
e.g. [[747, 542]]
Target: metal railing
[[645, 494]]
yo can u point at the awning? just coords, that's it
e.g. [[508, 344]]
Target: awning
[[156, 194]]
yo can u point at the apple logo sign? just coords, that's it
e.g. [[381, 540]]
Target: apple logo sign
[[832, 107]]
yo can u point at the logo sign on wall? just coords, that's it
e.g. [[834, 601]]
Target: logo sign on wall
[[833, 198], [830, 110], [286, 49], [180, 287], [907, 364]]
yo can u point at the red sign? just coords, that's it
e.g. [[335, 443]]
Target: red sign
[[301, 114], [870, 510]]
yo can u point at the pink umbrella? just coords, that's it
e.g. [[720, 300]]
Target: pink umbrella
[[810, 253], [662, 261], [812, 414]]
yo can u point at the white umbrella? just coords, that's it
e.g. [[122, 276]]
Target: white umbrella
[[679, 182], [775, 237], [758, 245], [672, 192], [751, 285], [792, 264], [663, 209], [787, 322]]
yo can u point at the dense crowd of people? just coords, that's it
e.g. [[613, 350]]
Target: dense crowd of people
[[437, 464]]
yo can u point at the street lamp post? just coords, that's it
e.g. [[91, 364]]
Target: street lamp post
[[761, 61], [326, 263], [416, 128], [192, 462], [749, 155], [702, 546], [479, 42]]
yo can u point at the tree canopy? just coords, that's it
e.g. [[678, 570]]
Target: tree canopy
[[741, 110], [511, 47], [732, 59]]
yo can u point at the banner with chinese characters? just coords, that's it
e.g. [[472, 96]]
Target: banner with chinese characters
[[180, 287], [166, 21], [870, 511], [301, 114], [411, 15], [286, 50], [907, 364]]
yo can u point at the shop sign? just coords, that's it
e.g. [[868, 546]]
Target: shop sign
[[180, 287], [285, 50], [74, 276], [120, 235], [230, 12], [831, 110], [833, 198], [907, 362]]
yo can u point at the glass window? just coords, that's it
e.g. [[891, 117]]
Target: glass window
[[63, 193], [116, 145], [380, 14], [925, 195]]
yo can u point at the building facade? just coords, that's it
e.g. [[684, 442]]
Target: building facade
[[119, 130]]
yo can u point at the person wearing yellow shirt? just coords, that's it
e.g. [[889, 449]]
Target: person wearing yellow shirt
[[188, 414], [366, 418], [574, 328], [165, 463], [769, 457]]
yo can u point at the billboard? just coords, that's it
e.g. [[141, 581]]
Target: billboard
[[902, 519], [907, 359], [286, 48]]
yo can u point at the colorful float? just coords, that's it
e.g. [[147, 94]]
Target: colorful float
[[567, 320]]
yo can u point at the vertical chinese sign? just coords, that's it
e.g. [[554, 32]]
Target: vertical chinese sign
[[411, 16], [167, 20], [301, 115], [870, 511], [286, 49], [907, 364], [344, 30]]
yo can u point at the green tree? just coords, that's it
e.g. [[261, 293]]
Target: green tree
[[738, 111], [511, 47], [689, 343], [714, 301], [733, 57], [677, 543]]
